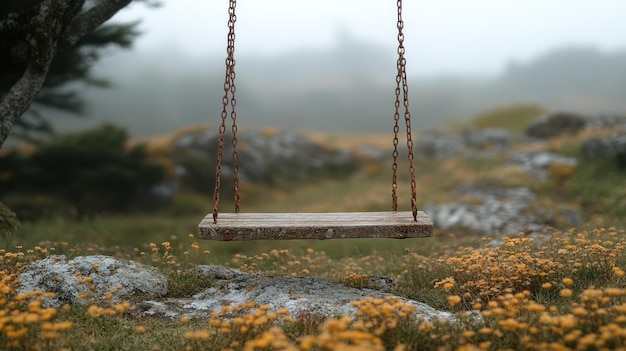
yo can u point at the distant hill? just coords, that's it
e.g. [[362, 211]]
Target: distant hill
[[580, 78], [346, 88]]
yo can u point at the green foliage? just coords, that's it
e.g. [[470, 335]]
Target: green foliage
[[8, 221], [199, 171], [68, 66], [38, 207], [598, 186], [186, 283], [621, 160], [189, 204], [513, 118], [94, 171], [116, 233]]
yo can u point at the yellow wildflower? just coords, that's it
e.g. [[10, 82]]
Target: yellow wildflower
[[454, 300]]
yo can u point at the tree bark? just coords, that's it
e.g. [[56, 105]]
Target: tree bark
[[57, 25], [19, 98]]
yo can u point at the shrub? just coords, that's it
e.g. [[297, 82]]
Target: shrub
[[621, 160], [36, 207], [93, 170], [514, 117], [8, 220]]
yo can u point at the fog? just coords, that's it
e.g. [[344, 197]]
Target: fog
[[442, 37], [330, 65]]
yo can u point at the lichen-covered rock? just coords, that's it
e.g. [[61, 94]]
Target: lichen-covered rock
[[300, 295], [72, 280], [500, 211]]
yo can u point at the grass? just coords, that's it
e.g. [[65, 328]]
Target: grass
[[562, 290], [607, 196], [531, 294], [514, 118]]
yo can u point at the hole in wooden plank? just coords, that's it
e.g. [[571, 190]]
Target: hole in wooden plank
[[332, 225]]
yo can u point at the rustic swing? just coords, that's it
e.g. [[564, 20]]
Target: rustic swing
[[280, 226]]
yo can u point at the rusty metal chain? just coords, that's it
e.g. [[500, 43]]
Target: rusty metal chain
[[402, 84], [396, 130], [228, 99]]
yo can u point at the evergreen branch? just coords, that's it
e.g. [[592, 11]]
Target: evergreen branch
[[88, 21]]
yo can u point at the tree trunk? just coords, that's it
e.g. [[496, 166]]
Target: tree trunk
[[19, 98], [54, 25]]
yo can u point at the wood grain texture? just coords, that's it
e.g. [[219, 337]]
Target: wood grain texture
[[333, 225]]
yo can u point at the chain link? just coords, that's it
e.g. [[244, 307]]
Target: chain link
[[402, 84], [233, 116], [229, 98], [396, 130]]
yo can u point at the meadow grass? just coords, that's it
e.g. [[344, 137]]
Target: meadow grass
[[562, 290], [513, 118]]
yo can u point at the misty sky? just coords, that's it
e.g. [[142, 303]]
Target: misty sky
[[442, 37]]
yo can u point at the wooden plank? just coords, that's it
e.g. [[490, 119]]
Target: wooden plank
[[334, 225]]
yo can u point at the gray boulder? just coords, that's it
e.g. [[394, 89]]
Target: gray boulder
[[469, 143], [501, 211], [267, 158], [487, 139], [300, 295], [72, 280], [561, 123], [605, 121], [537, 164], [439, 145], [610, 145], [556, 124]]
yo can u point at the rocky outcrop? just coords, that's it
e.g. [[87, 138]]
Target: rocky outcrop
[[606, 122], [556, 124], [308, 295], [561, 123], [499, 211], [468, 143], [270, 158], [611, 145], [104, 279], [538, 164], [89, 279]]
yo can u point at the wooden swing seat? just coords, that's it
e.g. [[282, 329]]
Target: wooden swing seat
[[334, 225], [284, 226]]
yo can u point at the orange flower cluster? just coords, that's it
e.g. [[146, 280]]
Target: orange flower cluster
[[594, 319], [24, 322], [248, 329], [520, 264]]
